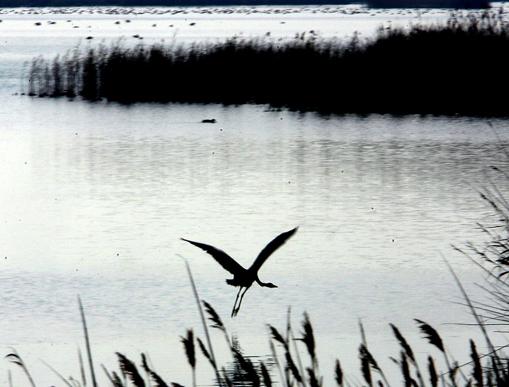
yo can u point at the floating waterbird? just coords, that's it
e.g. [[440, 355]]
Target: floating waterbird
[[244, 278]]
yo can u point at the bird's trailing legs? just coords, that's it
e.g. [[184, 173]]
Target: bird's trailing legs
[[235, 303], [236, 310]]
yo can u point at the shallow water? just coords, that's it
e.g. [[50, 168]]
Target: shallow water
[[96, 196]]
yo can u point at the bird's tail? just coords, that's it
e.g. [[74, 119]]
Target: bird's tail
[[231, 282]]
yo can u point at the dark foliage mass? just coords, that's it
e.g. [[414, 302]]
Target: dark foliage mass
[[454, 68]]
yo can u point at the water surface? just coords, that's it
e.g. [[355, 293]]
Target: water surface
[[96, 196]]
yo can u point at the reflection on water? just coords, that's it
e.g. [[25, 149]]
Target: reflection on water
[[245, 370]]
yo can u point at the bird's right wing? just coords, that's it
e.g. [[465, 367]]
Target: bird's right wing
[[276, 243], [220, 256]]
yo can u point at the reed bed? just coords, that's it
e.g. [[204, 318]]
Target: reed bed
[[294, 363], [457, 67], [293, 360]]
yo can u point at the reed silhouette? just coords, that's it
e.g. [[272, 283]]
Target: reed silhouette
[[450, 68], [294, 360], [244, 278]]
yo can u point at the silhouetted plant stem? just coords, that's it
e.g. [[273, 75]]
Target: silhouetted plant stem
[[87, 343], [473, 310], [217, 322], [14, 358], [293, 340], [82, 369], [338, 374], [363, 334], [276, 362], [60, 376], [202, 317], [188, 342], [110, 378], [408, 352], [297, 355]]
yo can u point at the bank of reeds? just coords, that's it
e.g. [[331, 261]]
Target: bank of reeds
[[294, 363], [492, 257], [456, 67], [293, 360]]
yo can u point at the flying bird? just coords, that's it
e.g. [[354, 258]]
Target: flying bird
[[244, 278]]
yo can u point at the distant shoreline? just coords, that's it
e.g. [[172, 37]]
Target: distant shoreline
[[443, 4], [436, 69], [161, 3]]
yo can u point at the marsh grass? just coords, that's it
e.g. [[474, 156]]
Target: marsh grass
[[284, 368], [455, 67], [294, 362]]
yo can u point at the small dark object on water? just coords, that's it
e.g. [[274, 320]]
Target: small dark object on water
[[192, 24], [209, 121], [37, 23], [89, 37]]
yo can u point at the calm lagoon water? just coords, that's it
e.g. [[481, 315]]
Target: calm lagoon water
[[94, 199]]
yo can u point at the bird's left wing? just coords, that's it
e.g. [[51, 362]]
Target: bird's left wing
[[220, 256], [276, 243]]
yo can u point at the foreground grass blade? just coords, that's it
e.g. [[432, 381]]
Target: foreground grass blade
[[202, 317], [82, 369], [87, 343], [188, 342], [60, 376], [129, 369], [14, 358], [472, 309]]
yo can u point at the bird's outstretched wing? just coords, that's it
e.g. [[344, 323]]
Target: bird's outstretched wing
[[276, 243], [220, 256]]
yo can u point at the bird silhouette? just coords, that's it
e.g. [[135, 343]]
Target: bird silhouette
[[244, 278]]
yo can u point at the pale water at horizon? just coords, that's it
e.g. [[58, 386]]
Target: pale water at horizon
[[95, 197]]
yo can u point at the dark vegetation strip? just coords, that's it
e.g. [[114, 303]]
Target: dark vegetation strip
[[458, 67]]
